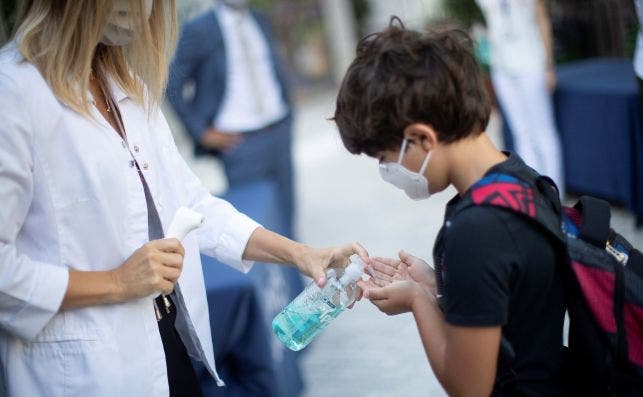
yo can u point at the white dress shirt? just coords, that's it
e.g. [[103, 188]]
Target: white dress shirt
[[72, 199], [517, 47], [252, 97]]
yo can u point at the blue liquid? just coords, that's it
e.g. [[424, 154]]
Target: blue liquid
[[296, 329]]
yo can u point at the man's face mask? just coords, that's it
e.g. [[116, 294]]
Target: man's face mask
[[414, 184], [119, 28]]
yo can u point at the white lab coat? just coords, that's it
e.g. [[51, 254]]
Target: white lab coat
[[70, 198]]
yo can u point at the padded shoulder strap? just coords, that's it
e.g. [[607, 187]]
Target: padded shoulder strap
[[595, 225], [536, 200], [547, 187], [635, 263]]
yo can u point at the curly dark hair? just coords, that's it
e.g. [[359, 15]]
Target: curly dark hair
[[400, 77]]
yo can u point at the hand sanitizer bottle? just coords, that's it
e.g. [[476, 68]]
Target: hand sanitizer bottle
[[314, 308]]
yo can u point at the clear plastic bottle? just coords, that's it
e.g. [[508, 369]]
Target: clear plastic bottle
[[314, 308]]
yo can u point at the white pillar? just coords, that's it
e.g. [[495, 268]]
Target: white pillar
[[341, 32]]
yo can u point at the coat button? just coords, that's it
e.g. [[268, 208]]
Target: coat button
[[132, 163], [146, 166], [136, 149]]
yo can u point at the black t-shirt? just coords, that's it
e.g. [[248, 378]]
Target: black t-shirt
[[496, 268]]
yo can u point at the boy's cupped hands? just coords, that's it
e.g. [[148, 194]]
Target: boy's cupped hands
[[396, 284]]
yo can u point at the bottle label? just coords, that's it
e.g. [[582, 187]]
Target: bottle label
[[328, 302]]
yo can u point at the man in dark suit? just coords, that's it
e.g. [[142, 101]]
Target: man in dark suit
[[228, 89]]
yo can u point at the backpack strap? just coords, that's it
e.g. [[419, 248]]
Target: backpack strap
[[535, 198], [595, 225], [635, 262], [547, 187], [619, 316]]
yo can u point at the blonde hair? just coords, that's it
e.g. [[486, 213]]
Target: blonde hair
[[61, 38]]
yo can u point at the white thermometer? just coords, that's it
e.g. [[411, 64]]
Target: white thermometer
[[185, 220]]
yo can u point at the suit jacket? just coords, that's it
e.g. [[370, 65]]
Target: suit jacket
[[201, 60]]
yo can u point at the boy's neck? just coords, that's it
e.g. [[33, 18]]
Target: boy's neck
[[470, 159]]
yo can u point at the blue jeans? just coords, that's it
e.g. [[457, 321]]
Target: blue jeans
[[267, 154]]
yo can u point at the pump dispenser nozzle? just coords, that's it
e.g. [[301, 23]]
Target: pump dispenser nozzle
[[354, 271]]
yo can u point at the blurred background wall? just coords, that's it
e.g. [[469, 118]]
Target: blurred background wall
[[317, 37]]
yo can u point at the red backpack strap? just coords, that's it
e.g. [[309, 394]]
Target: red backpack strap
[[535, 199], [503, 190]]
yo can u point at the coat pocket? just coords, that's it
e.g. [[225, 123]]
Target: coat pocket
[[73, 362]]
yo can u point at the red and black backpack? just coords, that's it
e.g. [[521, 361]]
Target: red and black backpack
[[603, 279]]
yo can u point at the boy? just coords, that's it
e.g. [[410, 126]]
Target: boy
[[491, 317]]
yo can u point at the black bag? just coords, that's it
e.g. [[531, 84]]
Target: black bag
[[603, 278]]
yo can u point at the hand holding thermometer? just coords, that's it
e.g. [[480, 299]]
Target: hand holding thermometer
[[185, 220]]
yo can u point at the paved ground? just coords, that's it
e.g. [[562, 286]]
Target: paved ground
[[340, 199]]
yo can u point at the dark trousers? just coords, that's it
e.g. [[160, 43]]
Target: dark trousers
[[266, 154], [183, 380]]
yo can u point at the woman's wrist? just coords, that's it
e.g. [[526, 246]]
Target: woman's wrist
[[116, 288], [300, 254], [91, 288], [270, 247]]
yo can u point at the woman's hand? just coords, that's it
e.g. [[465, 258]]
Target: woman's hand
[[314, 262], [270, 247], [154, 268], [397, 297]]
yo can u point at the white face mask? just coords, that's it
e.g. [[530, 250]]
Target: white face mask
[[414, 184], [118, 29]]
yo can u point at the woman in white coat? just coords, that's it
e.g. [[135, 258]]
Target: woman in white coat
[[89, 179]]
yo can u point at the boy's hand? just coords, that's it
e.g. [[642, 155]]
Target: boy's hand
[[385, 271], [397, 297], [420, 271]]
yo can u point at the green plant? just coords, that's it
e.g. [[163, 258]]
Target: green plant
[[8, 14], [362, 10], [466, 12]]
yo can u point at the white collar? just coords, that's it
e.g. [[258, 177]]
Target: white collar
[[116, 90]]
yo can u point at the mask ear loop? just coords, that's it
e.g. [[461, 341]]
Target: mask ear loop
[[402, 151], [425, 163]]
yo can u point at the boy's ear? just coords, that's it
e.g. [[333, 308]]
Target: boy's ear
[[422, 134]]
